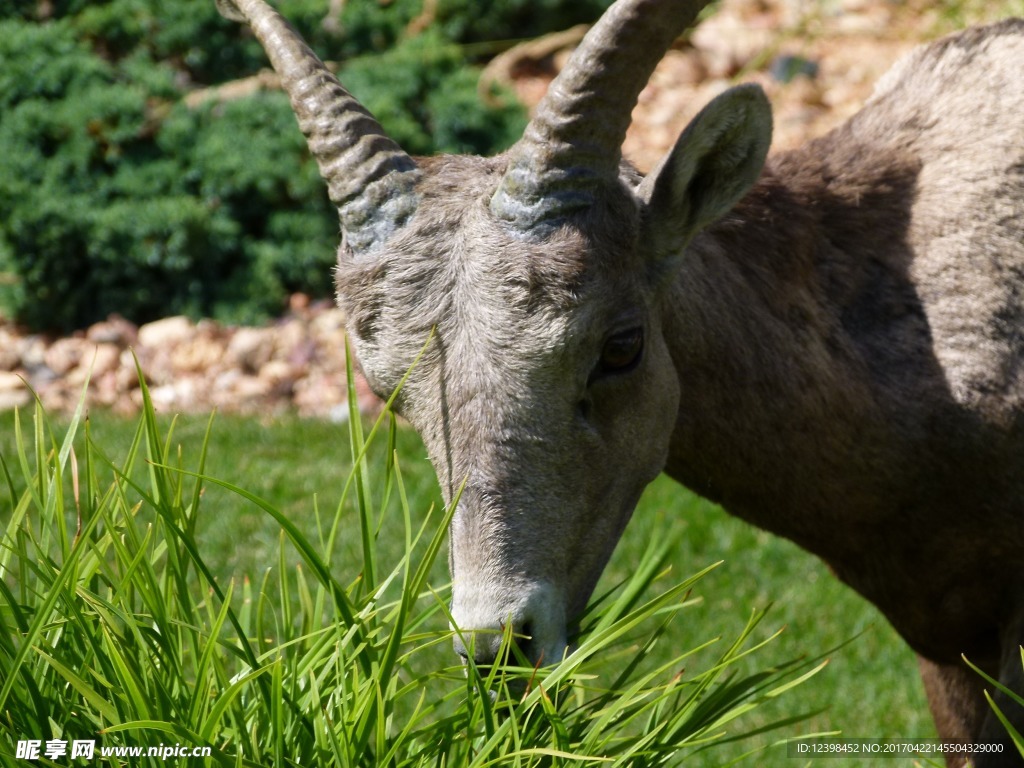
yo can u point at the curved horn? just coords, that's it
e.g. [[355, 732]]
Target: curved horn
[[369, 178], [573, 144]]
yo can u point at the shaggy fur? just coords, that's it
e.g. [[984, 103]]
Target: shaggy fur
[[849, 345]]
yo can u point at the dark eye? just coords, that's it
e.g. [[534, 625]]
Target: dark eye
[[621, 351]]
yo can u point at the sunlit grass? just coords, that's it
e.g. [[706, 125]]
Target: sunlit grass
[[288, 460], [116, 624]]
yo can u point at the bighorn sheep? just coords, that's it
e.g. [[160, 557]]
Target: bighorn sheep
[[830, 343]]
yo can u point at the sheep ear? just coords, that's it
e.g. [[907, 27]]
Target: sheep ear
[[714, 162]]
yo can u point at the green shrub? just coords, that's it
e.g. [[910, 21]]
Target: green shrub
[[514, 19], [117, 197], [427, 98], [108, 212], [378, 26]]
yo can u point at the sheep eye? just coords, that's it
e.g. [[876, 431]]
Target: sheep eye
[[621, 351]]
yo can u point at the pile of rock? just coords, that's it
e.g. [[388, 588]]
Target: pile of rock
[[296, 364]]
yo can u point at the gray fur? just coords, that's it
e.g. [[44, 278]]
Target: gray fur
[[838, 357]]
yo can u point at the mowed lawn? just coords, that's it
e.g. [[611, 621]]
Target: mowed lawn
[[870, 688]]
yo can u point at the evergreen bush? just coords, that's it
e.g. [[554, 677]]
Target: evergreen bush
[[117, 196]]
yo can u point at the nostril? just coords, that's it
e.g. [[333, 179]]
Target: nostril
[[510, 644], [481, 645], [460, 648], [522, 637]]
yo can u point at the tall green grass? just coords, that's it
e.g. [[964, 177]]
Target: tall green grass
[[114, 627]]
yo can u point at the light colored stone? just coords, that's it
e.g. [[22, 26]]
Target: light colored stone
[[290, 335], [203, 350], [32, 352], [166, 332], [105, 359], [126, 373], [730, 39], [96, 361], [14, 399], [14, 392], [113, 330], [247, 388], [277, 371], [64, 354], [251, 348], [10, 381], [298, 303], [182, 395], [10, 357]]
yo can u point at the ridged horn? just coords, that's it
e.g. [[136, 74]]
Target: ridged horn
[[369, 177], [573, 145]]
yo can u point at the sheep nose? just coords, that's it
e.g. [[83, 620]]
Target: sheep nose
[[484, 646], [536, 620]]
